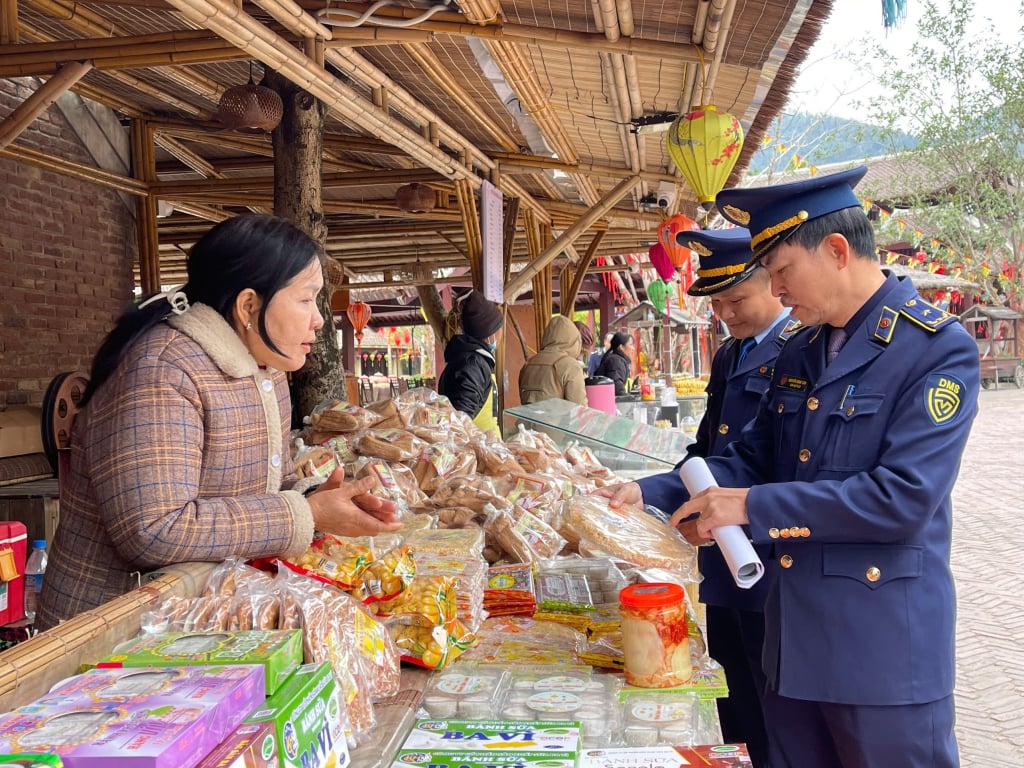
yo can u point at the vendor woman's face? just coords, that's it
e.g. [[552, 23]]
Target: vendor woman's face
[[292, 322]]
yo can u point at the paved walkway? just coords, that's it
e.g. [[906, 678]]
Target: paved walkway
[[988, 555]]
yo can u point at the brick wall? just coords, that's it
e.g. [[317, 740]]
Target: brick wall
[[66, 252]]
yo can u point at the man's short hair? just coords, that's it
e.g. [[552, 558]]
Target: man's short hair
[[851, 223]]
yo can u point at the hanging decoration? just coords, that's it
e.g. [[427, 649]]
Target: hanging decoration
[[657, 292], [894, 13], [359, 313], [250, 107], [415, 198], [661, 262], [680, 255], [704, 145]]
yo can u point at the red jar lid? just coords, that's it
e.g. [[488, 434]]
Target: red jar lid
[[653, 595]]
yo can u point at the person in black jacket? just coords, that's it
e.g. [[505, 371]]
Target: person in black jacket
[[616, 364], [468, 376]]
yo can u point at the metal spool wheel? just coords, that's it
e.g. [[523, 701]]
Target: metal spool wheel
[[60, 404]]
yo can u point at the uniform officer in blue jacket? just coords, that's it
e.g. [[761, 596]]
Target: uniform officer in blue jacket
[[740, 294], [847, 471]]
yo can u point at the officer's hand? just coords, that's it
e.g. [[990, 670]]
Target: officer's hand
[[621, 493], [349, 509], [688, 528], [714, 507]]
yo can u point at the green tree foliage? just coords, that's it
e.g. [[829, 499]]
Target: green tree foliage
[[960, 91]]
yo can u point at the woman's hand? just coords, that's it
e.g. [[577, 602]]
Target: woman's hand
[[349, 509]]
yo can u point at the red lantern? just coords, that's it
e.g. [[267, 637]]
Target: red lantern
[[667, 231], [359, 315], [661, 262]]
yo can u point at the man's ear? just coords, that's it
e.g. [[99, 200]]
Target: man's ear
[[838, 248], [247, 308]]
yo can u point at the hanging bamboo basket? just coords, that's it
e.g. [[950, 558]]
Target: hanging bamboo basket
[[250, 107], [415, 198]]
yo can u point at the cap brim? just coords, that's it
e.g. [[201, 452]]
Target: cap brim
[[708, 286]]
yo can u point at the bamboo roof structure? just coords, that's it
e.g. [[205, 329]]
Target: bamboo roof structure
[[540, 98]]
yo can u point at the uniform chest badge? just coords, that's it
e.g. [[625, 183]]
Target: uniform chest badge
[[942, 397], [792, 382]]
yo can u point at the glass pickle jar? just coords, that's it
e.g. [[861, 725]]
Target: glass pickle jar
[[655, 641]]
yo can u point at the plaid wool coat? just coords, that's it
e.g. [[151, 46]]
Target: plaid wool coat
[[181, 455]]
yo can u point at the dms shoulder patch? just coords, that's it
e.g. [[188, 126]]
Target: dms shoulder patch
[[943, 397]]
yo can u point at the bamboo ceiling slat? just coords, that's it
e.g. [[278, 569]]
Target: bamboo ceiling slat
[[581, 87]]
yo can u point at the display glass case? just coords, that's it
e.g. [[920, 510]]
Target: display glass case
[[619, 443]]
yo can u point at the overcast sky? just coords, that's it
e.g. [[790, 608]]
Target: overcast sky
[[829, 84]]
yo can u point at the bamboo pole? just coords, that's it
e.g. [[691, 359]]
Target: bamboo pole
[[515, 286], [75, 170], [432, 67], [294, 18], [328, 180], [456, 25], [8, 21], [36, 104], [567, 298], [471, 226], [144, 169]]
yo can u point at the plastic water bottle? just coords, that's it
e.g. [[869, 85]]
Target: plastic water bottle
[[35, 567]]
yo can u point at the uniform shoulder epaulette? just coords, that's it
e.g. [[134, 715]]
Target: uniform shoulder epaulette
[[791, 328], [926, 315]]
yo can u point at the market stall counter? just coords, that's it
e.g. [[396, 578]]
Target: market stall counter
[[494, 611]]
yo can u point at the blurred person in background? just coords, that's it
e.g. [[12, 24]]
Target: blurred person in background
[[616, 363], [555, 371], [468, 376]]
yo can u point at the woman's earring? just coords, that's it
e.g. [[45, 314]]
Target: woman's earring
[[248, 326]]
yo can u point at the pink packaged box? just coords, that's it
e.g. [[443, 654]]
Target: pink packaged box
[[167, 717]]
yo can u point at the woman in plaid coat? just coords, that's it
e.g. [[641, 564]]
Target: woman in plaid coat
[[180, 452]]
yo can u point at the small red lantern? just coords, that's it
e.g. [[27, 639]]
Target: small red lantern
[[359, 315]]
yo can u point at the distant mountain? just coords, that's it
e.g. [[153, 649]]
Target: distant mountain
[[820, 140]]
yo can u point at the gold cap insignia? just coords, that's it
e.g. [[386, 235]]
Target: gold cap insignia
[[738, 215], [699, 248]]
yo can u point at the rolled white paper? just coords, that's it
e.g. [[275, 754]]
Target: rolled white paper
[[743, 562]]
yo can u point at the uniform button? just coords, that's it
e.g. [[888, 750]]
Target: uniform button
[[723, 429], [849, 411], [812, 403], [782, 407], [773, 533], [873, 573], [267, 385], [784, 533], [794, 532], [804, 454], [275, 460], [785, 561], [805, 532]]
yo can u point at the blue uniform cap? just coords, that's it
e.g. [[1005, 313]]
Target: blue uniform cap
[[724, 256], [773, 213]]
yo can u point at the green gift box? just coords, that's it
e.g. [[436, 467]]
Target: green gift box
[[278, 650]]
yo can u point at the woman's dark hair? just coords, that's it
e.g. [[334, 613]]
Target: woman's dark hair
[[851, 223], [619, 339], [254, 251]]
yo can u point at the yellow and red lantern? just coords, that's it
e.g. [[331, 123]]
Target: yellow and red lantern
[[705, 145], [359, 313]]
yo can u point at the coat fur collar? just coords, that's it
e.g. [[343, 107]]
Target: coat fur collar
[[208, 329]]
